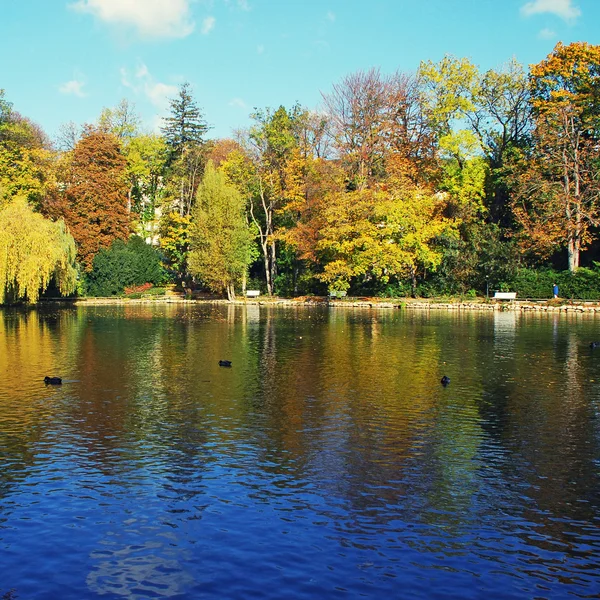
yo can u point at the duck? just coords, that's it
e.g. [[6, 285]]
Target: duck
[[445, 380], [224, 363], [594, 345], [52, 380]]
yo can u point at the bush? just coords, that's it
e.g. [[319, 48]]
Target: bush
[[130, 264], [584, 284]]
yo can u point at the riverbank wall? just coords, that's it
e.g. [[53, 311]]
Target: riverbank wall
[[551, 306]]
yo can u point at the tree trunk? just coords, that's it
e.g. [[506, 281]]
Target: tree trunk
[[273, 265], [230, 292], [413, 281]]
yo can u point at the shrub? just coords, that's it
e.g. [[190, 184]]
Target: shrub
[[134, 263], [584, 284]]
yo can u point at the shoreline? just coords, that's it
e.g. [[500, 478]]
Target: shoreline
[[541, 306]]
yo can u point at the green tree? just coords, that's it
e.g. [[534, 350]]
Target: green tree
[[184, 132], [122, 121], [219, 236], [124, 264], [33, 251], [186, 125]]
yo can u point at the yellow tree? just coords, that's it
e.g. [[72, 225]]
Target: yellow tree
[[386, 234], [33, 251], [26, 161]]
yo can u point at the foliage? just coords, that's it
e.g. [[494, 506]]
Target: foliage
[[33, 251], [121, 121], [174, 242], [186, 125], [220, 239], [369, 234], [93, 199], [124, 264], [146, 157], [558, 187], [26, 162], [537, 283]]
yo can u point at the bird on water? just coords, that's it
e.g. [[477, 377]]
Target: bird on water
[[445, 380], [52, 380], [224, 363]]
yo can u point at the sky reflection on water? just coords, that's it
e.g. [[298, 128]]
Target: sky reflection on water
[[328, 462]]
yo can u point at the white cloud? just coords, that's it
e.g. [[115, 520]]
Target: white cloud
[[73, 88], [238, 103], [208, 25], [565, 9], [260, 49], [156, 92], [546, 34], [330, 16], [152, 18], [243, 4]]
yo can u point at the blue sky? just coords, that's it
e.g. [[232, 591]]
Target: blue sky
[[64, 60]]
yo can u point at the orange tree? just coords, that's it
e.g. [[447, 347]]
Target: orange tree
[[94, 200], [557, 189]]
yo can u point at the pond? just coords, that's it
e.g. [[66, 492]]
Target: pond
[[327, 462]]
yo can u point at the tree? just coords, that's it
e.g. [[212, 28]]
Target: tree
[[122, 121], [33, 251], [558, 188], [26, 162], [219, 235], [184, 132], [146, 157], [174, 243], [124, 264], [268, 176], [357, 108], [186, 125], [94, 202], [368, 235]]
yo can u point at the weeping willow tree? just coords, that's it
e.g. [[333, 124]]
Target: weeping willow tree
[[33, 251]]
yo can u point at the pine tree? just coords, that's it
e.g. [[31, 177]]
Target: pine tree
[[186, 125]]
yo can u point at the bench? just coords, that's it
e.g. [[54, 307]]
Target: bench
[[505, 295], [252, 293], [337, 294]]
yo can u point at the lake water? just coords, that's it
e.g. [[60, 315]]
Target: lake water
[[327, 462]]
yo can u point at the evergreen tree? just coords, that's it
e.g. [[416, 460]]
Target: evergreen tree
[[186, 125]]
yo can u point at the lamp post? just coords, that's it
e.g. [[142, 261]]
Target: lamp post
[[487, 287]]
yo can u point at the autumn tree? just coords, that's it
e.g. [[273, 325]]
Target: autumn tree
[[219, 235], [557, 189], [33, 252], [26, 160], [264, 175], [174, 243], [94, 201], [357, 107]]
